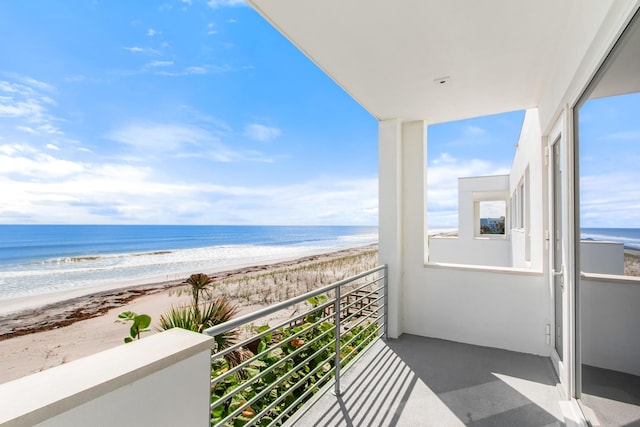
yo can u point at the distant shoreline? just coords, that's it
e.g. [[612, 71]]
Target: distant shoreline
[[26, 315], [39, 338]]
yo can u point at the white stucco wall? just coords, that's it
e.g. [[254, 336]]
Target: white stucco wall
[[529, 154], [500, 309], [470, 247], [488, 251], [610, 321], [503, 309], [390, 217], [602, 257], [160, 380]]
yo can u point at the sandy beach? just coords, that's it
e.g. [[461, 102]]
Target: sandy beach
[[74, 326]]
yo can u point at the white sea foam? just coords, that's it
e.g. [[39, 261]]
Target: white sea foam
[[63, 274]]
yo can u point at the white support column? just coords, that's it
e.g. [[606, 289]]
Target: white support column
[[414, 196], [390, 216], [402, 211]]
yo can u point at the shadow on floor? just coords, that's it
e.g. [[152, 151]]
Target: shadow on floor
[[614, 397], [417, 381]]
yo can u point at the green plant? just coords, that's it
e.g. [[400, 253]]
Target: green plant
[[198, 318], [140, 324], [199, 283], [294, 362]]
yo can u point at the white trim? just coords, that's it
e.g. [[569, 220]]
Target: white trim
[[483, 268]]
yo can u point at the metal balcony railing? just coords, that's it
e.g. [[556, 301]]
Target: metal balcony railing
[[272, 370]]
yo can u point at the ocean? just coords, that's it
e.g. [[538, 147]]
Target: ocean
[[41, 259], [630, 237]]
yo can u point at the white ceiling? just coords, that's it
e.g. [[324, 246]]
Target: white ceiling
[[622, 74], [390, 55]]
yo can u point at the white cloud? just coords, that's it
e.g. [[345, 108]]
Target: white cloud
[[9, 107], [27, 129], [50, 190], [632, 135], [26, 108], [38, 84], [197, 70], [260, 132], [160, 64], [211, 29], [151, 32], [182, 140], [474, 130], [142, 50], [442, 185], [26, 161], [214, 4], [52, 147], [221, 127], [160, 137], [602, 207]]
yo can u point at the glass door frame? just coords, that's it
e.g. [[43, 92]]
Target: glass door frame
[[565, 364]]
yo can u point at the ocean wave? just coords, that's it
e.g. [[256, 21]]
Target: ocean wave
[[88, 258], [96, 270]]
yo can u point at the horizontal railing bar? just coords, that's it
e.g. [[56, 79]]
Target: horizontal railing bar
[[309, 391], [271, 386], [295, 386], [278, 345], [266, 390], [361, 310], [250, 317], [364, 285], [355, 291], [226, 351], [376, 322], [282, 324], [285, 342], [357, 347], [366, 334], [280, 362], [360, 299], [270, 349]]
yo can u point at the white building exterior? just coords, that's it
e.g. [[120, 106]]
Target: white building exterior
[[413, 64], [416, 63]]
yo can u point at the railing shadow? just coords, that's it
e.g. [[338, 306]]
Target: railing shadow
[[416, 381]]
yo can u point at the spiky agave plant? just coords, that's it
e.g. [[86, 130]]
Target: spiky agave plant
[[198, 318]]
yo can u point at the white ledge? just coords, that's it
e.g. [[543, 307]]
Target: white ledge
[[485, 268], [614, 278], [38, 397]]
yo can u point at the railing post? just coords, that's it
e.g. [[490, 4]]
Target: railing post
[[336, 387], [386, 302]]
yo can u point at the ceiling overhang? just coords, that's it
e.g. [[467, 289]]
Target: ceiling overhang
[[434, 60]]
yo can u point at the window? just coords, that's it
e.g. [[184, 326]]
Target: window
[[492, 215]]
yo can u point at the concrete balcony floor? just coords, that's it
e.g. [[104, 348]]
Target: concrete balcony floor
[[417, 381]]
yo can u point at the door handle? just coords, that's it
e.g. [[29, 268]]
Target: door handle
[[559, 274]]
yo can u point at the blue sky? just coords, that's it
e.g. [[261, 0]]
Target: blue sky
[[199, 112], [610, 162], [474, 147], [176, 112]]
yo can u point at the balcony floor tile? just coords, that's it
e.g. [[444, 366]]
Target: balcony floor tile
[[417, 381]]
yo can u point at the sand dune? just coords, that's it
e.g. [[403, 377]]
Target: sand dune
[[38, 338]]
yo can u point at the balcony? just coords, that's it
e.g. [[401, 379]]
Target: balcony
[[325, 365], [417, 381]]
